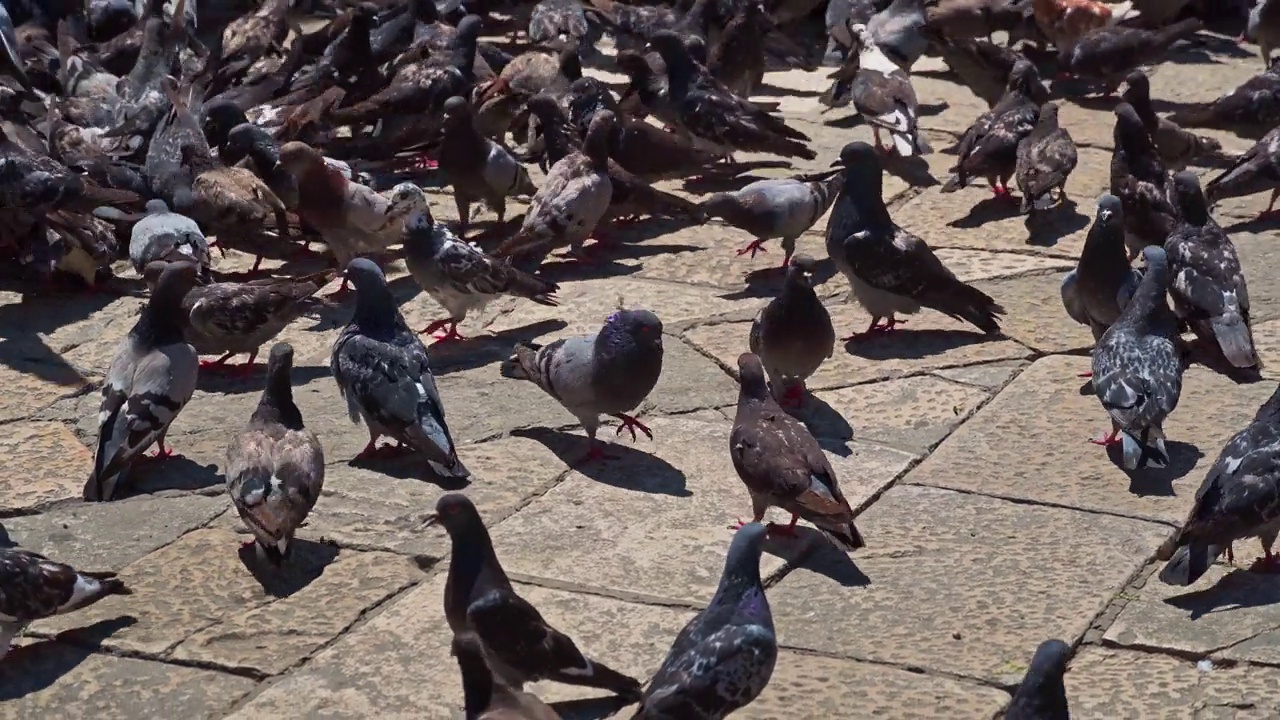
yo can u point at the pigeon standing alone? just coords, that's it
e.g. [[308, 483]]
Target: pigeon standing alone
[[724, 657], [1042, 695], [383, 373], [150, 380], [793, 334], [1098, 289], [606, 373], [275, 466], [518, 643], [34, 587], [776, 207]]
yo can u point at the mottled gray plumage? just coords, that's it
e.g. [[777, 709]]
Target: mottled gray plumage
[[1208, 288], [883, 96], [1103, 281], [723, 658], [1263, 27], [477, 167], [793, 334], [34, 587], [891, 271], [606, 373], [168, 236], [1110, 52], [1042, 695], [275, 466], [1257, 170], [899, 31], [150, 380], [519, 645], [383, 372], [989, 147], [1177, 147], [839, 16], [1046, 158], [1137, 368], [1250, 110], [1141, 181], [775, 208], [1239, 498]]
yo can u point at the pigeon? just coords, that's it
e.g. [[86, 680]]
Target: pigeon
[[1208, 290], [1109, 53], [883, 95], [982, 66], [1257, 170], [793, 334], [898, 30], [723, 658], [1263, 27], [989, 147], [1250, 110], [168, 236], [1046, 158], [275, 466], [1042, 695], [1137, 369], [34, 587], [1102, 283], [484, 697], [785, 208], [11, 63], [1177, 147], [891, 271], [840, 15], [519, 645], [1142, 183], [477, 167], [460, 276], [1239, 498], [606, 373], [383, 373], [151, 378], [783, 466]]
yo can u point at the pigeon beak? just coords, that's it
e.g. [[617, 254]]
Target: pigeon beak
[[430, 519], [836, 163]]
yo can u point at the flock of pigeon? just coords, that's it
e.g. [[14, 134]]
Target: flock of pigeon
[[143, 124]]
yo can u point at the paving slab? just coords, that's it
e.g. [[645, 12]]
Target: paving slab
[[1035, 316], [34, 377], [40, 463], [50, 679], [1020, 444], [987, 556], [989, 376]]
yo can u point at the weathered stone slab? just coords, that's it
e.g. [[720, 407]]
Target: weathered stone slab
[[1023, 442], [40, 463], [919, 568], [989, 376], [1035, 315], [33, 378]]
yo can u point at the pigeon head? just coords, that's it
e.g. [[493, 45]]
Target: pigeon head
[[1130, 134], [1042, 688], [1022, 75], [1048, 117], [1110, 211], [374, 304], [801, 269], [640, 327], [276, 404], [742, 571], [457, 109], [697, 48], [633, 65], [861, 35], [862, 172], [457, 514], [248, 139], [156, 206], [219, 119], [468, 28], [406, 198], [1137, 84], [601, 134], [163, 318], [751, 376], [1190, 198]]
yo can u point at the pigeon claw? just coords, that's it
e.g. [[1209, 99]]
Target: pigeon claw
[[631, 424], [1107, 440], [1088, 374], [449, 335], [162, 452], [341, 293], [754, 247], [876, 327], [788, 530]]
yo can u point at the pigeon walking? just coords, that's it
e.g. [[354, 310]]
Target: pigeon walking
[[34, 587], [150, 380], [1239, 498], [275, 466], [793, 334], [606, 373], [382, 371], [1043, 694], [883, 95], [782, 464], [1257, 170], [775, 208], [519, 645], [485, 697], [989, 147], [1103, 281], [1137, 369], [891, 271], [477, 167], [723, 659]]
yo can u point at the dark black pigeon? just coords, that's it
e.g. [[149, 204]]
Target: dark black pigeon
[[1103, 281], [1141, 181], [1177, 147], [1046, 158], [1042, 694], [1257, 170], [33, 587]]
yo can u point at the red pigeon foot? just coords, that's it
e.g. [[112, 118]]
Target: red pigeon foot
[[1107, 440], [631, 424], [785, 530], [754, 247], [450, 335]]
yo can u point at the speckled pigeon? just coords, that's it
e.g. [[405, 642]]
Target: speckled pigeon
[[150, 380], [169, 236], [1042, 694], [518, 643], [1239, 498], [1257, 170], [890, 270], [782, 464], [606, 373], [1208, 288], [1137, 368], [1103, 281], [724, 657], [775, 208], [383, 372], [793, 334], [34, 587]]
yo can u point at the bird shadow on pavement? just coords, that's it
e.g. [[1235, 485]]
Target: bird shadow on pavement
[[21, 324], [931, 109], [1239, 589], [306, 563], [234, 383], [768, 90], [408, 466], [177, 472], [590, 708], [481, 350], [811, 550], [845, 122], [825, 423], [557, 268], [1255, 225], [623, 467], [914, 344], [987, 210], [1158, 482], [767, 282], [913, 170], [1204, 49], [31, 668], [1052, 224]]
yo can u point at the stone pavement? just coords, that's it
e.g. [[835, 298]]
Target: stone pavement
[[991, 524]]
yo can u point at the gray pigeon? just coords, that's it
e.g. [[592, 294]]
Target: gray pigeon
[[783, 466], [882, 94], [460, 276], [724, 657], [1257, 170], [1103, 281], [168, 236], [383, 372], [275, 466], [891, 271], [1208, 287], [1177, 147], [606, 373], [1046, 158], [150, 380], [840, 15], [898, 30], [34, 587], [1137, 369], [477, 167], [793, 334], [1043, 694], [485, 697], [775, 208], [1264, 28], [1239, 498], [519, 645]]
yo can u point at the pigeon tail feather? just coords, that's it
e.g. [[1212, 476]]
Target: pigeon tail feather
[[603, 677], [1235, 339], [1146, 451]]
